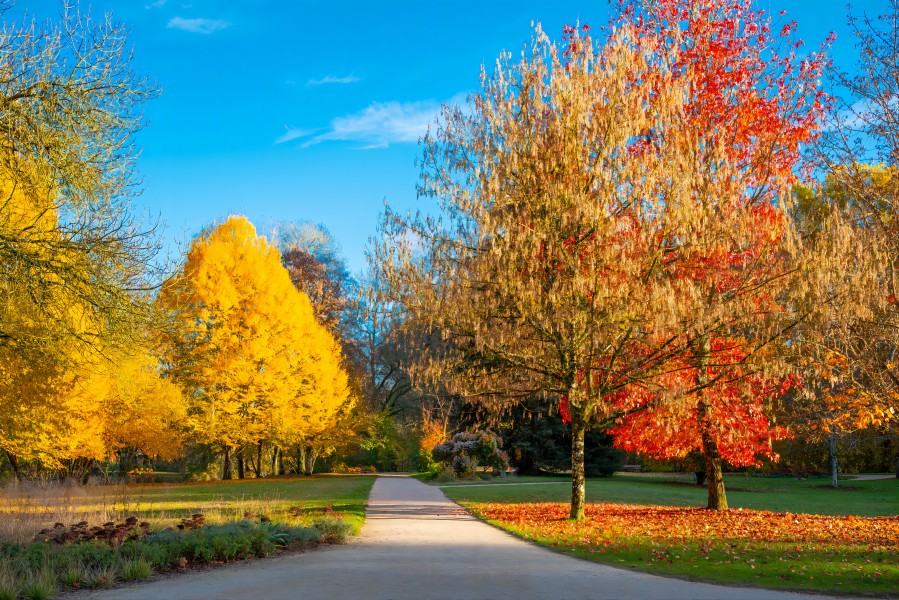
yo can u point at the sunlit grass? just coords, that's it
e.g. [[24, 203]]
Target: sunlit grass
[[787, 535], [28, 508]]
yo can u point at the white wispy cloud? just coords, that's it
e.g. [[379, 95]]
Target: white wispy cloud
[[205, 26], [376, 126], [332, 79], [293, 133], [156, 4]]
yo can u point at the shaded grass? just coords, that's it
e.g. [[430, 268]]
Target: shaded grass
[[658, 539]]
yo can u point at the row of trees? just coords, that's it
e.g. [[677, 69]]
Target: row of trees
[[250, 347], [619, 228]]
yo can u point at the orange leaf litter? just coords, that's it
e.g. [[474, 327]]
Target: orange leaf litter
[[664, 523]]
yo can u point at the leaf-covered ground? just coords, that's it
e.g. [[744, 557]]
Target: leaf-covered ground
[[831, 553]]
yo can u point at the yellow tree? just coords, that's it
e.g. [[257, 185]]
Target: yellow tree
[[71, 106], [74, 256], [52, 366], [143, 410], [51, 410], [245, 346], [849, 349]]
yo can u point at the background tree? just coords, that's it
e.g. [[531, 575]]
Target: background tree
[[245, 346], [143, 412], [860, 153]]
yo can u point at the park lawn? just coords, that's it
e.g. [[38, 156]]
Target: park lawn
[[780, 533], [24, 510], [243, 519], [346, 495], [779, 494]]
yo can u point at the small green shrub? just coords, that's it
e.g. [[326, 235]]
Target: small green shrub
[[447, 475], [74, 577], [103, 576], [40, 586], [35, 570], [137, 569], [9, 590], [332, 529]]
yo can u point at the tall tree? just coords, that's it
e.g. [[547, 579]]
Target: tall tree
[[246, 347], [609, 215], [71, 104], [861, 154], [732, 253], [536, 273]]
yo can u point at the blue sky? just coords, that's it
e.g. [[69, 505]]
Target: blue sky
[[302, 110]]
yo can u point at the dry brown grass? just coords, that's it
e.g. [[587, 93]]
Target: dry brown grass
[[26, 508]]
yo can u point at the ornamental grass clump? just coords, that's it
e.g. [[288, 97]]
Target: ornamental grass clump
[[466, 451]]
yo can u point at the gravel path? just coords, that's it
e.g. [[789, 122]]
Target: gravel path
[[418, 545]]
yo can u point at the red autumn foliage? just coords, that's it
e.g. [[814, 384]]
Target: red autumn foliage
[[752, 96], [737, 405], [752, 102]]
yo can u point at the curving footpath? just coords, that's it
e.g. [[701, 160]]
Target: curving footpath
[[418, 545]]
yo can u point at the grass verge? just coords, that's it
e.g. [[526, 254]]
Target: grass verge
[[656, 526], [240, 520]]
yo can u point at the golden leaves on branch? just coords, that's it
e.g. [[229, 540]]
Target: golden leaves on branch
[[246, 347]]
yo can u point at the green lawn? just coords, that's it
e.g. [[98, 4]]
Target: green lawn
[[813, 496], [784, 534], [345, 494]]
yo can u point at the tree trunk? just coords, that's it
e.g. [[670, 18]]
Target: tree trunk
[[714, 475], [259, 460], [578, 483], [226, 467], [240, 464], [280, 461], [301, 460], [834, 465], [700, 477], [14, 465], [310, 461], [124, 463]]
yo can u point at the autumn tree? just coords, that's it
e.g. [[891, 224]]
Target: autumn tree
[[841, 392], [860, 153], [536, 272], [52, 410], [246, 348], [612, 224], [69, 240], [732, 253], [143, 411], [77, 262], [312, 257]]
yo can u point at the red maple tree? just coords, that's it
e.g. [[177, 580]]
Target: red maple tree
[[751, 102]]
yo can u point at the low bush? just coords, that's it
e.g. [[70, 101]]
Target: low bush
[[466, 450], [38, 569]]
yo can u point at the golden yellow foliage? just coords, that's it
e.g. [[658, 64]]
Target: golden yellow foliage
[[246, 348], [143, 409]]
